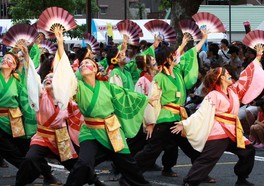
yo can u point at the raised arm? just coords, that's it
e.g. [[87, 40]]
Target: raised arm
[[200, 44], [64, 81]]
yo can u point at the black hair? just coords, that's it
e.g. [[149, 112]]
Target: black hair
[[162, 54], [45, 67], [224, 41], [111, 53]]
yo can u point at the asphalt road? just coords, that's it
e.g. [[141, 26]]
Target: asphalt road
[[223, 172]]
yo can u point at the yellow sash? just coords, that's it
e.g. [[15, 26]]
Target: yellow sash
[[177, 109], [112, 126], [16, 123], [62, 138], [232, 120]]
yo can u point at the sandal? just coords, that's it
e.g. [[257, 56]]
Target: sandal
[[169, 173], [209, 179]]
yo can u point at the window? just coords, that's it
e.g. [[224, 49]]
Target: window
[[103, 9]]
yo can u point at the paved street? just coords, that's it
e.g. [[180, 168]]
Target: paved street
[[223, 172]]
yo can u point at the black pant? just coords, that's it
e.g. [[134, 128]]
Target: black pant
[[163, 139], [13, 149], [33, 164], [83, 170], [212, 152]]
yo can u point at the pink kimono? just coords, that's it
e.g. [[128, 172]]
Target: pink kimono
[[51, 117], [203, 126], [143, 84]]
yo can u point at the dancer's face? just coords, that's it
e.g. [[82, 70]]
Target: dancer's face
[[9, 62], [48, 81], [88, 67]]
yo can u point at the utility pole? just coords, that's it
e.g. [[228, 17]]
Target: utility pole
[[125, 13], [230, 28], [88, 15]]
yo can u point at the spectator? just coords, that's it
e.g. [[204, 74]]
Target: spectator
[[235, 62], [223, 51], [212, 54]]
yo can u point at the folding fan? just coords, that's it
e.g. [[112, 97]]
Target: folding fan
[[20, 33], [213, 24], [190, 27], [162, 29], [254, 38], [47, 34], [49, 46], [56, 17], [132, 24], [90, 40], [131, 32]]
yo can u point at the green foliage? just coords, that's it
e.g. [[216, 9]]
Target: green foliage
[[31, 9], [77, 32], [164, 4]]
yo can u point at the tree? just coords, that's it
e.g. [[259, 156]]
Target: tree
[[28, 9], [180, 9], [21, 10]]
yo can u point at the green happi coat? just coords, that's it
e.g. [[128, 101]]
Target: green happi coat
[[125, 77], [9, 98], [102, 101], [174, 90], [29, 115]]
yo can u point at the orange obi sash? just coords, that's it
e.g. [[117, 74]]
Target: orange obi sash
[[230, 119], [177, 109], [16, 123], [62, 138], [112, 126]]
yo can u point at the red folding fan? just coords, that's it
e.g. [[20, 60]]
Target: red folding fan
[[190, 27], [163, 29], [47, 34], [213, 24], [56, 17], [49, 46], [132, 24], [20, 33], [130, 31], [91, 40], [254, 38]]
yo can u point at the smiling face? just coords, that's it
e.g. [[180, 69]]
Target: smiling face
[[47, 82], [9, 62], [88, 67]]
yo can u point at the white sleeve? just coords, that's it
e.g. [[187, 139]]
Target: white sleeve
[[115, 79], [152, 112], [33, 85], [64, 80]]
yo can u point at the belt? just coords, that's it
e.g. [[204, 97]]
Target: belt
[[176, 109], [230, 119], [4, 112]]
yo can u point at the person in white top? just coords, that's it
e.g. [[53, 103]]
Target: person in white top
[[223, 51]]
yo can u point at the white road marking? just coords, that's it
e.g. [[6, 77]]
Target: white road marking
[[257, 158]]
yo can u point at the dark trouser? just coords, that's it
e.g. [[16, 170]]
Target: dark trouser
[[13, 149], [212, 152], [83, 170], [33, 164], [163, 139]]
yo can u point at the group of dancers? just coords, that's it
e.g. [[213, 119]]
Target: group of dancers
[[128, 115]]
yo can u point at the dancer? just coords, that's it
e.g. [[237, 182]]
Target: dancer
[[52, 137], [101, 130], [215, 126], [170, 86]]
